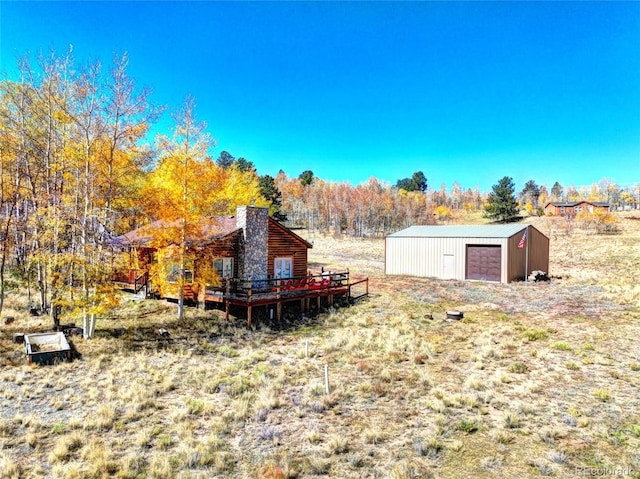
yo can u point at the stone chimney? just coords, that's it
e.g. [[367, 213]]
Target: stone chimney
[[254, 222]]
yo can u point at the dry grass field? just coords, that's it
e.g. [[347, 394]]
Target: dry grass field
[[538, 379]]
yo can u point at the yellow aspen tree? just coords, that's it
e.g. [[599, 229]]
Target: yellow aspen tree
[[443, 213], [181, 189], [39, 123], [240, 188], [529, 208], [123, 155], [10, 184], [89, 126], [594, 193]]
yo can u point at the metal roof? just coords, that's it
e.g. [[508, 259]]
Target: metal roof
[[460, 231], [575, 203], [211, 228]]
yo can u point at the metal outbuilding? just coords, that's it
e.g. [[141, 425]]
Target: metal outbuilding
[[500, 253]]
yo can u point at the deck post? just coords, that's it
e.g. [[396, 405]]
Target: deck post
[[201, 295], [249, 304], [226, 298], [278, 302]]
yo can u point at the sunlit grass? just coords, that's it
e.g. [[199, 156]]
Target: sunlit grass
[[537, 381]]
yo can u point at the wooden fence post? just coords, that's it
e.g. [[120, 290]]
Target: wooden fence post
[[326, 379]]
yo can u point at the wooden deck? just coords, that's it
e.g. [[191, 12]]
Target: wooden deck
[[329, 286], [311, 290]]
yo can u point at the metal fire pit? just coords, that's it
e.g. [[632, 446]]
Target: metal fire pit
[[453, 314], [47, 348]]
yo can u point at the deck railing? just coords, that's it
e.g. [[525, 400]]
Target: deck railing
[[323, 283], [140, 281], [134, 279], [246, 289], [362, 288]]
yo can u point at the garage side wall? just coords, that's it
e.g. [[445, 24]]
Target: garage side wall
[[425, 257], [517, 257], [538, 255]]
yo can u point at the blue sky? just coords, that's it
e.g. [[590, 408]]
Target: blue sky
[[464, 91]]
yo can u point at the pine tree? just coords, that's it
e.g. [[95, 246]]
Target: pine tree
[[272, 194], [556, 191], [225, 160], [306, 177], [501, 202], [530, 193], [417, 182]]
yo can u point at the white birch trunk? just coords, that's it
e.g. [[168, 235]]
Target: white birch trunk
[[85, 326], [88, 325], [92, 325]]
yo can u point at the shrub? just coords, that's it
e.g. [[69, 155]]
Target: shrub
[[535, 334], [603, 395], [518, 367], [511, 421], [467, 425], [428, 448]]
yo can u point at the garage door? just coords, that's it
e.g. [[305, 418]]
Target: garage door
[[483, 262]]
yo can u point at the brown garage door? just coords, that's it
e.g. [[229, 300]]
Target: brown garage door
[[483, 262]]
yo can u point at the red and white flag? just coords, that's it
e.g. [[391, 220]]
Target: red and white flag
[[523, 240]]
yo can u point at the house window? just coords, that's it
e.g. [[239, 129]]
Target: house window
[[562, 210], [578, 209], [173, 272], [224, 267], [283, 267]]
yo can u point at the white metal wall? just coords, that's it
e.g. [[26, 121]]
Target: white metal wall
[[424, 256]]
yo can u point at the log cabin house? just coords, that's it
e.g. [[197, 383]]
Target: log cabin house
[[257, 261]]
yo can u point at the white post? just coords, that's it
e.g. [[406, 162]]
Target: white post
[[326, 378]]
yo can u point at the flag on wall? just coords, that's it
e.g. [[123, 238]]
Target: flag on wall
[[523, 240]]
